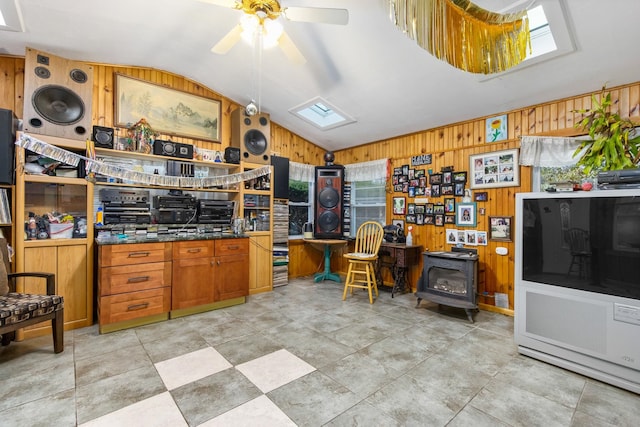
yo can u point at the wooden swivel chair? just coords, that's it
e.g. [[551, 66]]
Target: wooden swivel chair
[[362, 261]]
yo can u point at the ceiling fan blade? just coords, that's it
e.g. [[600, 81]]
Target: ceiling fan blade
[[317, 14], [228, 41], [224, 3], [289, 48]]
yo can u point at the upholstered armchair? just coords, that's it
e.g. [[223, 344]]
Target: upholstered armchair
[[18, 310]]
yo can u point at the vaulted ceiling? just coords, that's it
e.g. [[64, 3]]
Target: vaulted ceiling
[[366, 68]]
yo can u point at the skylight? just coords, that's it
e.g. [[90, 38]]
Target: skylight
[[541, 37], [321, 114], [10, 17]]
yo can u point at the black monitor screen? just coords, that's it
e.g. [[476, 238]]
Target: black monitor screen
[[587, 243]]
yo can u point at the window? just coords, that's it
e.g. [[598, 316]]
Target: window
[[300, 206], [545, 177], [368, 203]]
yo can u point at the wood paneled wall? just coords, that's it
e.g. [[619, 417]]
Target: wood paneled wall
[[450, 145]]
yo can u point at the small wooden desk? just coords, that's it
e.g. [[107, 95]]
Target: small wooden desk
[[328, 246], [398, 258]]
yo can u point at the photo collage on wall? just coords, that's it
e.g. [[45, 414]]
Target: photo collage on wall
[[440, 189]]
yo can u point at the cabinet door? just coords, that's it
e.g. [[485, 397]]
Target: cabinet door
[[231, 276], [192, 282], [260, 264]]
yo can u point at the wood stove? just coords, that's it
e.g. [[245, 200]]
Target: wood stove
[[450, 278]]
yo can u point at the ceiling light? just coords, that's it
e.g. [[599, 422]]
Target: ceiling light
[[267, 30]]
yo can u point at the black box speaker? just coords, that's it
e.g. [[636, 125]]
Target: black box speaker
[[232, 155], [173, 149], [280, 178], [8, 126], [102, 137], [329, 191]]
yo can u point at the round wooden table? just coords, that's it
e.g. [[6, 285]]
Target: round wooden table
[[328, 246]]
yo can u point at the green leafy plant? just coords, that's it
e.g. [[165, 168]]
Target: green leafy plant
[[614, 144]]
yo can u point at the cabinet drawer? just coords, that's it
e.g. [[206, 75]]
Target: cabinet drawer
[[193, 249], [138, 253], [138, 277], [133, 305], [232, 246]]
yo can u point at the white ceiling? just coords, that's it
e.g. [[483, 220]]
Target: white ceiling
[[368, 68]]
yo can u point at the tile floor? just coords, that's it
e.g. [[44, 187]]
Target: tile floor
[[301, 356]]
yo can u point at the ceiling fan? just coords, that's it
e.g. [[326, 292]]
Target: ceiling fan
[[262, 14]]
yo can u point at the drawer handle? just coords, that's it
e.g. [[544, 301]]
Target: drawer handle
[[138, 254], [138, 306], [232, 247], [194, 250], [138, 279]]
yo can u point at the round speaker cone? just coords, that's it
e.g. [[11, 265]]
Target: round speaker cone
[[78, 76], [263, 121], [42, 72], [58, 104], [328, 221], [255, 142], [103, 137], [247, 121], [328, 197]]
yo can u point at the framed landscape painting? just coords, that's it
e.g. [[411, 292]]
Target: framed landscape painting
[[168, 111]]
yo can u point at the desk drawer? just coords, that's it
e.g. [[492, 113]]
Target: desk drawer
[[133, 305], [138, 253], [193, 249], [131, 278], [232, 246]]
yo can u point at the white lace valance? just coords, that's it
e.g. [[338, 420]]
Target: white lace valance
[[547, 151], [301, 172], [367, 171]]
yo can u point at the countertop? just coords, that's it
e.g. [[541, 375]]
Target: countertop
[[121, 239]]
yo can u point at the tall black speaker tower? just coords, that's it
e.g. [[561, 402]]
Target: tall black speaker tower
[[8, 126], [329, 188]]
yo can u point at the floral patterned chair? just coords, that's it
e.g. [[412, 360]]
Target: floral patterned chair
[[18, 310]]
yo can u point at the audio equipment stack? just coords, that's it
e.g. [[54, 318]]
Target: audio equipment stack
[[175, 209], [328, 213], [125, 206]]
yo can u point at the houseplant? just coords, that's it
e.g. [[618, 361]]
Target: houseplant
[[614, 142]]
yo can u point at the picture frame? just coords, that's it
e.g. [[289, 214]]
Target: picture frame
[[420, 209], [460, 176], [435, 190], [435, 178], [458, 189], [159, 103], [399, 205], [496, 128], [428, 208], [428, 219], [451, 236], [411, 208], [500, 228], [446, 190], [447, 177], [481, 238], [411, 219], [419, 219], [438, 219], [438, 208], [449, 205], [397, 171], [470, 237], [494, 169], [449, 219], [466, 214], [480, 196]]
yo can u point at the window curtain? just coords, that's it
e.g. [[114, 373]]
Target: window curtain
[[367, 171], [301, 172], [545, 151]]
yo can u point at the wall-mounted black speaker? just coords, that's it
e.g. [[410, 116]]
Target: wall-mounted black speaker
[[251, 134], [8, 125], [280, 177], [102, 137], [57, 96], [328, 214]]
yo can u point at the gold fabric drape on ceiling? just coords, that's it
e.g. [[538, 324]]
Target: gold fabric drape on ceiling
[[464, 35]]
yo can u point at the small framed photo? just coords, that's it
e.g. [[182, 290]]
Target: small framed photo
[[428, 219], [399, 207], [481, 238], [449, 205], [449, 219], [458, 189], [447, 177], [428, 208], [412, 192], [480, 196], [397, 171], [420, 209], [470, 237], [439, 220], [446, 190], [419, 219], [405, 169], [452, 236], [495, 169], [398, 222], [419, 173], [438, 208], [466, 214], [411, 208], [460, 237], [435, 190], [460, 176], [435, 178], [496, 128], [500, 228], [411, 219]]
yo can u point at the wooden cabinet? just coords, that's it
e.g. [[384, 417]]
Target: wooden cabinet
[[67, 255], [193, 268], [134, 284], [231, 273], [260, 263]]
